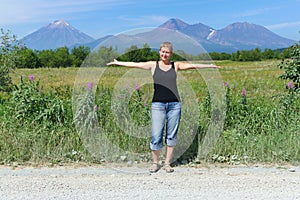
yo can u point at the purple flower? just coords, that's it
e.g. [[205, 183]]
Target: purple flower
[[227, 84], [31, 77], [90, 85], [290, 85], [137, 87], [243, 92], [95, 108], [145, 104]]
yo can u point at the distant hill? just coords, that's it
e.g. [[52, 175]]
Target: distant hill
[[56, 34], [236, 36]]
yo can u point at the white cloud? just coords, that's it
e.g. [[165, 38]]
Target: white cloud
[[18, 11], [255, 12], [284, 25], [144, 20]]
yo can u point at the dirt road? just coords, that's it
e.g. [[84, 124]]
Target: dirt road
[[134, 182]]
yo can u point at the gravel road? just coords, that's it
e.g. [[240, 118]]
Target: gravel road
[[134, 182]]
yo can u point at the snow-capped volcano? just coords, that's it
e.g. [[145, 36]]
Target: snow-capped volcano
[[59, 24], [57, 34], [236, 36]]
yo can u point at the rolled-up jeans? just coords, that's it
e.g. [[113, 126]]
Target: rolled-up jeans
[[165, 115]]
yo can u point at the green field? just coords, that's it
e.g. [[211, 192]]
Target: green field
[[259, 127], [257, 76]]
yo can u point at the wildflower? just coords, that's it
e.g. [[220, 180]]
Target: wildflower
[[145, 104], [74, 152], [244, 92], [227, 84], [290, 85], [90, 85], [137, 87], [31, 77], [95, 108]]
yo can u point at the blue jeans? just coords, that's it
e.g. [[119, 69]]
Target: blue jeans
[[165, 114]]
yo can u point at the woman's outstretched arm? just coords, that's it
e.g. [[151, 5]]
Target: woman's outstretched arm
[[186, 66], [142, 65]]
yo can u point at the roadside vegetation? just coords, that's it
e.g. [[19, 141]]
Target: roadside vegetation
[[37, 123]]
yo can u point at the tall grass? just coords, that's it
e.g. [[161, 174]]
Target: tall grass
[[261, 123], [268, 131]]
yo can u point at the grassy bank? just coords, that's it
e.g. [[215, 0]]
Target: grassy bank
[[261, 124]]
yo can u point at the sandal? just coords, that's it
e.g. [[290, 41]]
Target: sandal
[[168, 168], [154, 168]]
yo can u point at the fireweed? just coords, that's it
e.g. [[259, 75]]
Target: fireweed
[[85, 118], [29, 102], [267, 132]]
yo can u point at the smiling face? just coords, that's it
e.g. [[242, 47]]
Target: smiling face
[[165, 52]]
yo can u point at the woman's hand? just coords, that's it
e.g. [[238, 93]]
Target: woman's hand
[[113, 62], [216, 66]]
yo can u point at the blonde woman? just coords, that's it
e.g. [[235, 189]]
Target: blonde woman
[[166, 105]]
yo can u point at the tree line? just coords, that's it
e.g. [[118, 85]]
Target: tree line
[[25, 57], [59, 57], [65, 57]]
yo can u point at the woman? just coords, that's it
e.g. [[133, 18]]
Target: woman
[[166, 104]]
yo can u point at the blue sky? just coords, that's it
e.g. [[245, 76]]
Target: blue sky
[[98, 18]]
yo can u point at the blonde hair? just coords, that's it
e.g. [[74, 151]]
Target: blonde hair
[[167, 45]]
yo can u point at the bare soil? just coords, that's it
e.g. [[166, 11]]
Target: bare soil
[[135, 182]]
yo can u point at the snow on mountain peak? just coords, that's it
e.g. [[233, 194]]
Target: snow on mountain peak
[[57, 34], [211, 34], [59, 24]]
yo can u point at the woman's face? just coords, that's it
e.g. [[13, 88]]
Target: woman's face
[[165, 54]]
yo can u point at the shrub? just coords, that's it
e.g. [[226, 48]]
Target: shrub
[[291, 65], [8, 56], [29, 102]]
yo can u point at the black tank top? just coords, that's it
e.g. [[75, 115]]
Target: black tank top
[[165, 85]]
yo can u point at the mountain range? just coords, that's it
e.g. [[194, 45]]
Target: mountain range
[[236, 36]]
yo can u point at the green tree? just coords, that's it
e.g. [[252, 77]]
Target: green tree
[[47, 58], [99, 57], [28, 59], [136, 54], [220, 56], [256, 54], [268, 54], [247, 55], [147, 54], [180, 55], [106, 54], [78, 54], [131, 54], [62, 57], [9, 47], [291, 65], [236, 56]]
